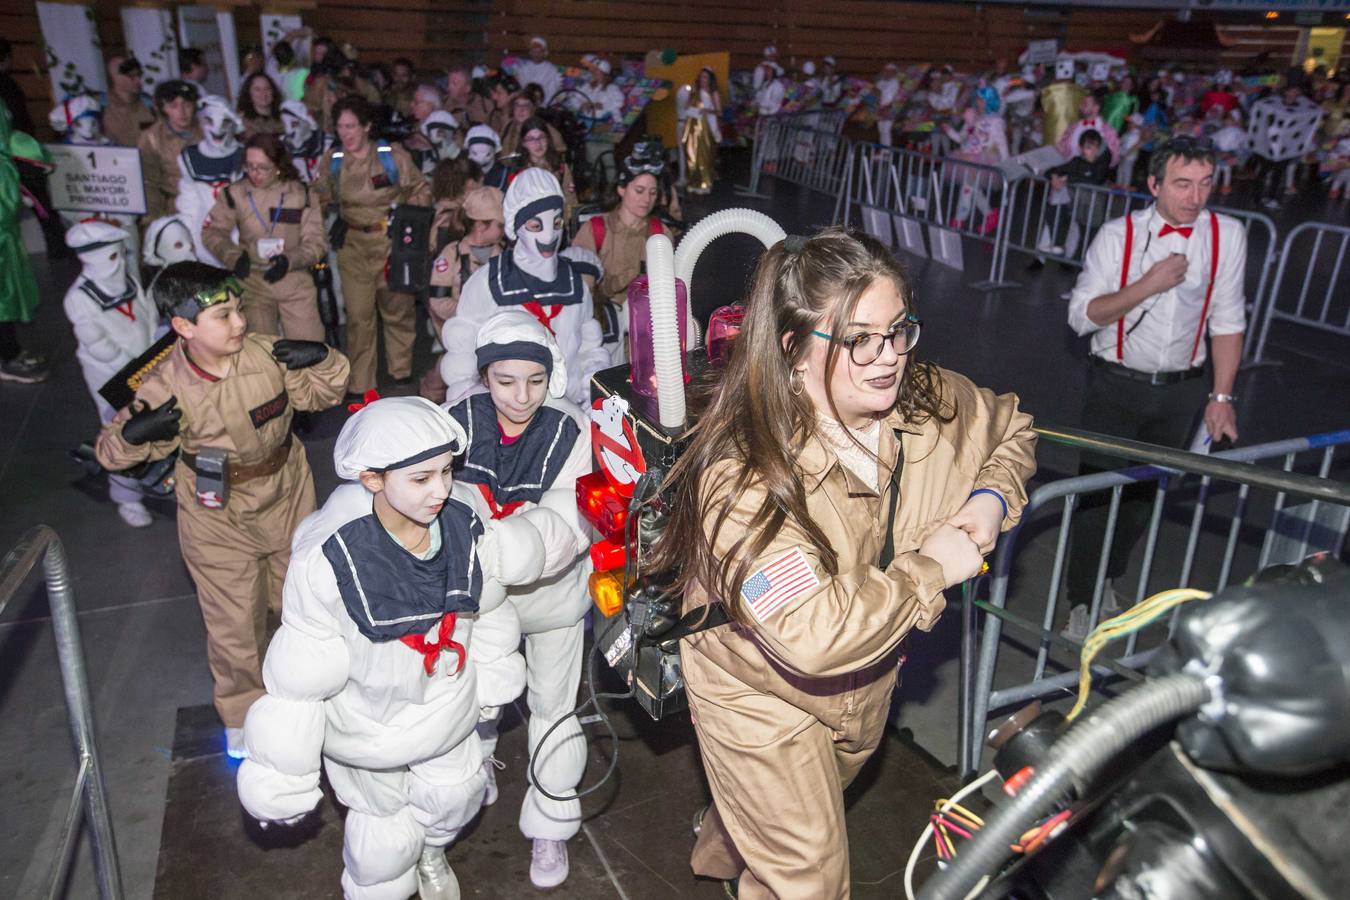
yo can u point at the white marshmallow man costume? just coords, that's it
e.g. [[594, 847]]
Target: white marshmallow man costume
[[533, 475], [369, 671], [79, 121], [304, 139], [208, 166], [551, 288], [114, 320], [442, 131]]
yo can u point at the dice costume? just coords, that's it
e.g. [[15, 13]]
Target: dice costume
[[534, 474], [207, 167], [535, 277], [373, 672]]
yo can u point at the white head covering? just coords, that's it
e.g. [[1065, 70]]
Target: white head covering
[[604, 66], [300, 111], [538, 39], [439, 117], [158, 249], [85, 237], [483, 133], [392, 433], [808, 68], [102, 253], [515, 327], [217, 109], [66, 113], [528, 194]]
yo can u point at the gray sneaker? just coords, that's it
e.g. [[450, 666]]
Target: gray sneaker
[[25, 369]]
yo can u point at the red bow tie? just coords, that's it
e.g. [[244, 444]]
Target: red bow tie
[[1184, 231]]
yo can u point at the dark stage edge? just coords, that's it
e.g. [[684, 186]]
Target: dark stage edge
[[634, 844]]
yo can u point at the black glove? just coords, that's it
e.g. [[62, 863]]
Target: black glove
[[243, 267], [146, 424], [337, 234], [299, 354], [277, 270]]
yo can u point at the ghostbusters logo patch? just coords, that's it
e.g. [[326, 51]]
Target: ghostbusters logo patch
[[442, 265]]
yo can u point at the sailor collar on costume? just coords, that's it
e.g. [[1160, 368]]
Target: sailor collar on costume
[[107, 301], [513, 286], [391, 594], [522, 470], [210, 169]]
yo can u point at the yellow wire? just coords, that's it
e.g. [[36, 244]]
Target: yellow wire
[[1140, 616]]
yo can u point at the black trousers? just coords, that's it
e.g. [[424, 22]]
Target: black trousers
[[1116, 405]]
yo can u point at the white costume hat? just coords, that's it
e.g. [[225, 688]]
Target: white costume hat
[[68, 111], [440, 118], [153, 253], [532, 192], [483, 134], [393, 433], [604, 66], [515, 334], [218, 108], [808, 68], [300, 111], [538, 39], [93, 234]]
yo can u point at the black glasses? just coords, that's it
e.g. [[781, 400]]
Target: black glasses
[[865, 348]]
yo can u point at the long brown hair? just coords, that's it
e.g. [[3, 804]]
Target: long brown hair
[[751, 427], [276, 153]]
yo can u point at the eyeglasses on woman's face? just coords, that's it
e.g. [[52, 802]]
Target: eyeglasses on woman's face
[[864, 347]]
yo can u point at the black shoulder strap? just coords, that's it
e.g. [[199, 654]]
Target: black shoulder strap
[[888, 546], [716, 614], [229, 196]]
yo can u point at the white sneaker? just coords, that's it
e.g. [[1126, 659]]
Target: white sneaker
[[1077, 629], [490, 767], [548, 863], [235, 747], [134, 514], [435, 879]]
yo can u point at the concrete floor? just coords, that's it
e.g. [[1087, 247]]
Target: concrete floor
[[179, 829]]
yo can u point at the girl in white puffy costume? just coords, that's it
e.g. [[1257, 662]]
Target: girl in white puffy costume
[[535, 277], [388, 621], [526, 448]]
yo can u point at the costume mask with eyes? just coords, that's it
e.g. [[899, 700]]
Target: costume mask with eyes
[[481, 145], [533, 211], [442, 130], [79, 120], [106, 266], [167, 241], [220, 127], [298, 127]]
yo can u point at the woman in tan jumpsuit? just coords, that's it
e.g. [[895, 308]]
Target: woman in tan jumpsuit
[[780, 512], [363, 194], [280, 236]]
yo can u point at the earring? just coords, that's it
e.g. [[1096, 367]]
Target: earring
[[797, 382]]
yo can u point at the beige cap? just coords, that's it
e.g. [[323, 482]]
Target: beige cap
[[484, 204]]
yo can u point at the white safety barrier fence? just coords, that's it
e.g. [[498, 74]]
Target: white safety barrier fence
[[927, 205], [1207, 527], [1312, 284], [796, 148]]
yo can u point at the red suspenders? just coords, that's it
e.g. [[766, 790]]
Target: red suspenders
[[1209, 291]]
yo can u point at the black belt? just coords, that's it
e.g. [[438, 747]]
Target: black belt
[[1154, 378]]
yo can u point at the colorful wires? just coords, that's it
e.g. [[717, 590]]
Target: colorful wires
[[955, 819], [1143, 614]]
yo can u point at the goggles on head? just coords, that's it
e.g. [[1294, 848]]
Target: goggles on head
[[228, 288]]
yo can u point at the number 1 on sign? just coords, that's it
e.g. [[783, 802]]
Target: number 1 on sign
[[93, 160]]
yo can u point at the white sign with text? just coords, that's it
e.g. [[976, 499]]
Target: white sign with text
[[96, 179]]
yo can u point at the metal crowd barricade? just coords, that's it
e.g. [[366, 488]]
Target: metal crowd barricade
[[1062, 232], [1319, 524], [89, 798], [950, 199], [1311, 290], [773, 142]]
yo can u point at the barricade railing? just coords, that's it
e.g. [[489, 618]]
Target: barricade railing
[[89, 798], [1059, 226], [1312, 287], [898, 194], [792, 149], [1288, 534]]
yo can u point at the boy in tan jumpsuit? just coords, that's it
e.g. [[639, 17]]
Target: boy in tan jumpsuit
[[484, 231], [221, 391], [162, 143], [363, 193], [280, 238]]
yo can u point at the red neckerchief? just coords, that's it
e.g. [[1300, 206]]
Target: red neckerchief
[[432, 651], [498, 512], [126, 310], [545, 317]]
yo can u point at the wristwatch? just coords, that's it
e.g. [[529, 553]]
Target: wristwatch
[[1223, 398]]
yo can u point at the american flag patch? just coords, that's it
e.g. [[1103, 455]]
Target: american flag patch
[[770, 589]]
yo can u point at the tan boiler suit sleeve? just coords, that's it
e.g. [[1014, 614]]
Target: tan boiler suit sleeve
[[847, 621], [152, 177], [115, 453], [222, 219], [1010, 458]]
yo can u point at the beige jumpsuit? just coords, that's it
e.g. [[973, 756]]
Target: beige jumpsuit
[[623, 253], [450, 270], [237, 555], [364, 198], [160, 149], [124, 122], [299, 222], [787, 711]]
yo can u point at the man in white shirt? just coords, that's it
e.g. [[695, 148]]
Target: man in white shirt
[[888, 101], [1153, 283], [538, 70], [1090, 111], [767, 70]]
